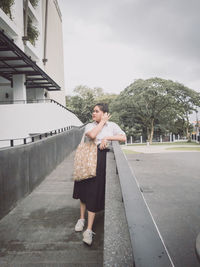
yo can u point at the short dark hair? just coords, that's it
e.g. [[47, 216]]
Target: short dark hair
[[103, 107]]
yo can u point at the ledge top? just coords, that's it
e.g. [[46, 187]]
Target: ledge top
[[198, 246]]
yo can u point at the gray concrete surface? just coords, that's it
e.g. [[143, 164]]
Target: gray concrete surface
[[198, 246], [117, 243], [22, 168], [40, 230], [148, 246], [171, 186]]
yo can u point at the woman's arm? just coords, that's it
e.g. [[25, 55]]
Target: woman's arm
[[94, 132], [119, 137]]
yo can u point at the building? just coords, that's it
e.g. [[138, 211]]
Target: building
[[31, 68], [36, 31]]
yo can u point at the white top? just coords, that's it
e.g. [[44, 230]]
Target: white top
[[109, 129]]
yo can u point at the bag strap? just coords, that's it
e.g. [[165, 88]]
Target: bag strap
[[82, 140]]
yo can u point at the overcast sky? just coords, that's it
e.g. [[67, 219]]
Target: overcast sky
[[110, 43]]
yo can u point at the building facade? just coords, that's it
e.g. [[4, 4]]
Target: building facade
[[31, 51], [32, 96]]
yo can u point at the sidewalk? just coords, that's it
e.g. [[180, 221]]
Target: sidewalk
[[40, 230]]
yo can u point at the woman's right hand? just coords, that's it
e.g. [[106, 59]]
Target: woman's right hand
[[103, 144], [105, 117]]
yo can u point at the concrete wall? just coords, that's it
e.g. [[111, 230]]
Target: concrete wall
[[17, 19], [55, 64], [23, 168], [5, 88], [20, 120]]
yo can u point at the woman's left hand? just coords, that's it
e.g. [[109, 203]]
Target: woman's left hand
[[103, 144]]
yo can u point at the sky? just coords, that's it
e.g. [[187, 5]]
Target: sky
[[110, 43]]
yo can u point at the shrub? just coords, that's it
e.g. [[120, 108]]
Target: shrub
[[32, 32], [5, 5], [34, 3]]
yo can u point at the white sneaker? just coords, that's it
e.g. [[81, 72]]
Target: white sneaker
[[87, 236], [80, 225]]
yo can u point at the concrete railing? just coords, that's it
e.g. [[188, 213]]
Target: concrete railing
[[198, 247], [117, 243], [131, 237], [23, 167]]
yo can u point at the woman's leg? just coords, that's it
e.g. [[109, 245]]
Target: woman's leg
[[81, 222], [82, 210], [91, 216], [87, 235]]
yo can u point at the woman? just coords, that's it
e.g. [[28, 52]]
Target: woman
[[91, 192]]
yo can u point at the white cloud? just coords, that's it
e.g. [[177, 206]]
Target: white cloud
[[111, 43]]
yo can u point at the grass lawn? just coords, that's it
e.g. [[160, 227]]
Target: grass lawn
[[127, 151], [168, 143], [184, 148]]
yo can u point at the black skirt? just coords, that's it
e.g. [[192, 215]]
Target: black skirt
[[92, 191]]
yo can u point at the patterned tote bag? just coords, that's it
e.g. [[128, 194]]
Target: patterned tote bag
[[85, 160]]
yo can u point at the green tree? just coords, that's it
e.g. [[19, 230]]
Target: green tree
[[153, 105], [81, 105], [84, 100], [187, 101]]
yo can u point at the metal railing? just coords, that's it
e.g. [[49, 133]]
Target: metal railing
[[147, 244], [32, 138], [46, 100], [25, 140], [24, 101]]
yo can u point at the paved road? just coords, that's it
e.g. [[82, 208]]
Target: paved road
[[39, 232], [171, 187]]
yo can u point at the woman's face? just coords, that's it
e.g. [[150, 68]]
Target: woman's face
[[97, 114]]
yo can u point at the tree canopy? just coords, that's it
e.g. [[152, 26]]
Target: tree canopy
[[84, 100], [155, 103], [143, 108]]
